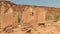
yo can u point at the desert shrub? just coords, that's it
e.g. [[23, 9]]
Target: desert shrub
[[18, 19], [56, 18]]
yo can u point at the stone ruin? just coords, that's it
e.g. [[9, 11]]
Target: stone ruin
[[27, 16], [8, 15]]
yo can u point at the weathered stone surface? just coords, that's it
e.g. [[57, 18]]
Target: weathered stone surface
[[8, 15], [30, 16]]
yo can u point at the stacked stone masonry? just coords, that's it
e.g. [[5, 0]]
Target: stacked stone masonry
[[30, 16]]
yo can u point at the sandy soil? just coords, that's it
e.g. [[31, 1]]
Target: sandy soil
[[49, 28], [16, 31]]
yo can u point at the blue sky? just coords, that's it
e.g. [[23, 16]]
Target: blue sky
[[50, 3]]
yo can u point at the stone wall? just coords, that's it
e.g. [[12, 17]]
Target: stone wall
[[8, 14], [27, 16]]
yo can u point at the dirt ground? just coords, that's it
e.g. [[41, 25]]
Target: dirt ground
[[16, 31], [48, 28]]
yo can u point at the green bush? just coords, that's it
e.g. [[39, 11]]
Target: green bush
[[18, 19], [56, 18]]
